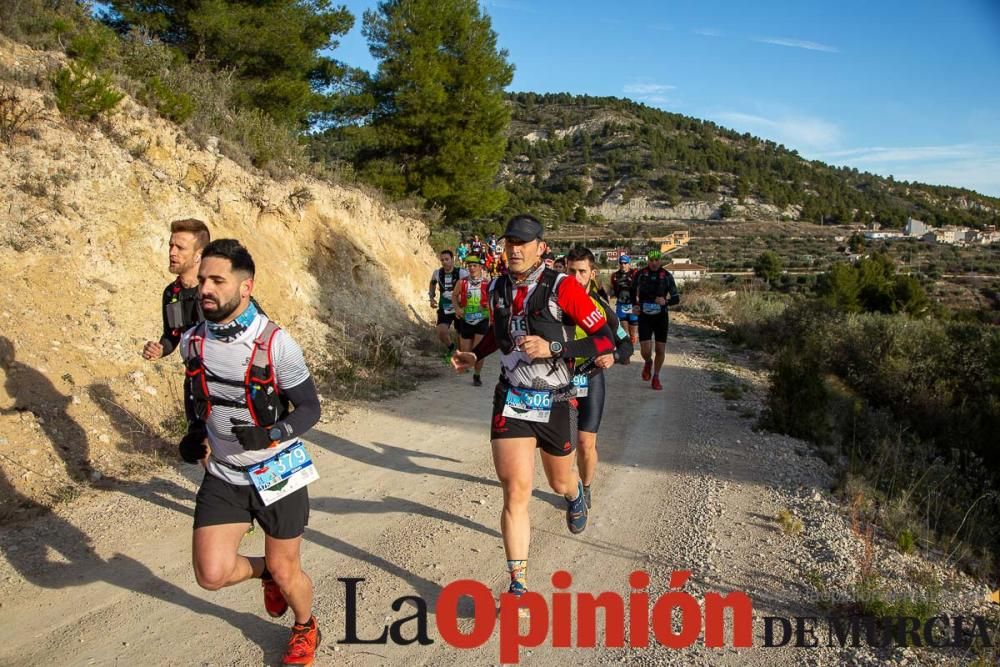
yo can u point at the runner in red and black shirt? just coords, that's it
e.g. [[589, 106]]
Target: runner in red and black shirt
[[535, 312]]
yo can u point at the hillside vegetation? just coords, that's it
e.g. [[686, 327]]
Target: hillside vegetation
[[576, 158]]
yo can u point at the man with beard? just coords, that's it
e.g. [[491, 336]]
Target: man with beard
[[181, 309], [245, 373]]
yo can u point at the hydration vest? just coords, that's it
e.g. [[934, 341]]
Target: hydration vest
[[463, 293], [539, 320], [265, 402], [623, 285]]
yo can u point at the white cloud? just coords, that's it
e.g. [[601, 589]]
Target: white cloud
[[646, 88], [708, 32], [653, 94], [798, 44], [792, 130]]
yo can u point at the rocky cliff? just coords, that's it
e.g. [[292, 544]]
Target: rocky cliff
[[84, 213]]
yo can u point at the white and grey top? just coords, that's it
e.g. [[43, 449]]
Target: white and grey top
[[229, 361]]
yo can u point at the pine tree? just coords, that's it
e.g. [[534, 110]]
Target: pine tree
[[272, 46], [439, 113]]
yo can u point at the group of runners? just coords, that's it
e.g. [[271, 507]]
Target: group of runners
[[249, 396]]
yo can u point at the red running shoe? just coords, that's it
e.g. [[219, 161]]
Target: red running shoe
[[647, 371], [302, 644], [274, 602], [656, 383]]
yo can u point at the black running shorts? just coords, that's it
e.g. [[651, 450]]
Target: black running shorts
[[447, 318], [470, 331], [556, 437], [219, 502], [653, 326], [591, 406]]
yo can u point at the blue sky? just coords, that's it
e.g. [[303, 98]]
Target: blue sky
[[910, 89]]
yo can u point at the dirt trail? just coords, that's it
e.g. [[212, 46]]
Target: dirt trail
[[408, 501]]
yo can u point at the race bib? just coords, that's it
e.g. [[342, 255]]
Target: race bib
[[652, 308], [475, 318], [283, 474], [528, 404], [624, 308], [582, 384], [518, 326]]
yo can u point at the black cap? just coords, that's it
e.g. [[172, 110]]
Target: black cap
[[524, 228]]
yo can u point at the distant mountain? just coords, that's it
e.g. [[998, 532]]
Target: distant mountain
[[581, 158]]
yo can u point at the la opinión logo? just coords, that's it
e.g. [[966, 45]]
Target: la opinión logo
[[676, 620], [554, 618]]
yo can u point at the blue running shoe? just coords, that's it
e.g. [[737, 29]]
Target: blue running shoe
[[576, 512]]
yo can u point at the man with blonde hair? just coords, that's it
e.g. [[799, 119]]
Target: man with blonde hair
[[181, 309]]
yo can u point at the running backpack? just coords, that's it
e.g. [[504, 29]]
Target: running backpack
[[263, 399]]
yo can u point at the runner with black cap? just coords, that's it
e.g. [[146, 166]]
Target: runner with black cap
[[535, 313], [655, 289]]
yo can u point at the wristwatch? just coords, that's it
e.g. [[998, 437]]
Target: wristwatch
[[556, 348], [275, 434]]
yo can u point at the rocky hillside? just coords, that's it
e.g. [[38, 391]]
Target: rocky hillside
[[601, 158], [83, 245]]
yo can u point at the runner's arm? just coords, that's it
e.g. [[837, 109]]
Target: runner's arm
[[675, 296], [295, 382], [305, 399], [488, 345], [575, 302]]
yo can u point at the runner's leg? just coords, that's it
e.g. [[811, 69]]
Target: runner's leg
[[215, 559], [514, 460], [480, 362], [285, 565], [586, 456], [561, 475]]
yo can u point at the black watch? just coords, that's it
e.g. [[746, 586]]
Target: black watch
[[275, 434], [556, 348]]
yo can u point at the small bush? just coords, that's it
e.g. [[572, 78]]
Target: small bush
[[15, 115], [96, 46], [265, 141], [790, 524], [170, 103], [81, 93]]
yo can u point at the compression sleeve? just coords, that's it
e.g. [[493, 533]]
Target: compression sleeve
[[675, 296], [305, 399], [575, 302]]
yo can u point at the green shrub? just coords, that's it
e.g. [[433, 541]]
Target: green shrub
[[82, 93], [96, 46], [169, 102], [265, 141]]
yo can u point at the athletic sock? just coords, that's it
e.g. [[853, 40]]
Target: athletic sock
[[518, 570]]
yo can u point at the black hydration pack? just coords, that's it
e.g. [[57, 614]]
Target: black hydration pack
[[265, 402], [538, 319]]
